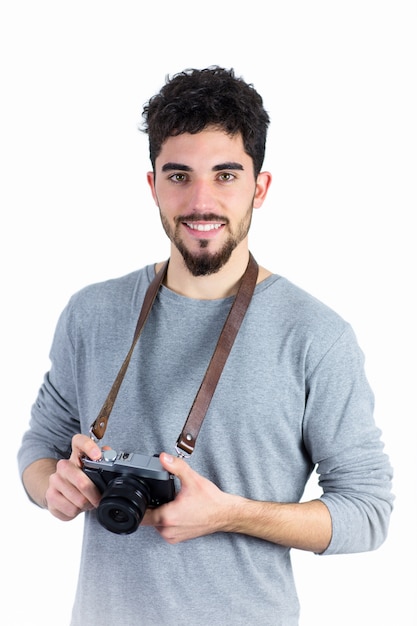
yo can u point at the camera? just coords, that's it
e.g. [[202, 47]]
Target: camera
[[129, 483]]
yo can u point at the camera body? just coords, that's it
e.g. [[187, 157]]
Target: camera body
[[129, 483]]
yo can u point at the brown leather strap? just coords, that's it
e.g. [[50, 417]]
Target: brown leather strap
[[98, 427], [187, 439]]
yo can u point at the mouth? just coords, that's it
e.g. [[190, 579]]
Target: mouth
[[205, 228]]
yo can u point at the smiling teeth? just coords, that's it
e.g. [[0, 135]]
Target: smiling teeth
[[203, 227]]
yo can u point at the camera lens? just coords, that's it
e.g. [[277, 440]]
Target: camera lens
[[118, 516], [123, 504]]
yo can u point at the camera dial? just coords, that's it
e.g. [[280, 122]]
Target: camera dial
[[109, 454]]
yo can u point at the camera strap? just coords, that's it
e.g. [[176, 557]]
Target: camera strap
[[186, 441]]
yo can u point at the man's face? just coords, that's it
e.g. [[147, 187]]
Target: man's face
[[205, 189]]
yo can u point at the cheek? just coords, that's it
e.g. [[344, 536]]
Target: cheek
[[168, 198]]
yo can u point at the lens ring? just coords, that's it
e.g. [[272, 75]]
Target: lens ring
[[123, 504], [118, 515]]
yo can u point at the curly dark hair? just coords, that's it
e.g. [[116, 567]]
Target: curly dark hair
[[194, 99]]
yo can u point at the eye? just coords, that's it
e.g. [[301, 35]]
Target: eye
[[226, 177], [178, 178]]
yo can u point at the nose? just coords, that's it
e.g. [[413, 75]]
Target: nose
[[202, 197]]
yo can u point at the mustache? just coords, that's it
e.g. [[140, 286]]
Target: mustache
[[201, 217]]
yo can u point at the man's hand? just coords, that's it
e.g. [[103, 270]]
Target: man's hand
[[200, 508], [70, 491], [62, 487]]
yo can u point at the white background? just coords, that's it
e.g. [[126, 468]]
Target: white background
[[339, 82]]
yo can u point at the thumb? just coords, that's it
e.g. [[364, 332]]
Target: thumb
[[174, 465]]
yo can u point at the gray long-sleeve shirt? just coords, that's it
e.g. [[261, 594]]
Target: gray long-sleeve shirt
[[293, 396]]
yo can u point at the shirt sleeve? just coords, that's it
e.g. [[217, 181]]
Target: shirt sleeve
[[54, 414], [345, 445]]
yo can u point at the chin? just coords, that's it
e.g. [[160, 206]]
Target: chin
[[205, 263]]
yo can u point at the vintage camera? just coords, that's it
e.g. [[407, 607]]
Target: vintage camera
[[129, 483]]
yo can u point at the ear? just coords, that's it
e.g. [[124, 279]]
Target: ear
[[150, 177], [262, 185]]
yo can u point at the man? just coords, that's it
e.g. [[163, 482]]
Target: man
[[293, 396]]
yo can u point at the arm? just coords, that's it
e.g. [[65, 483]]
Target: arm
[[200, 508], [61, 486], [306, 525]]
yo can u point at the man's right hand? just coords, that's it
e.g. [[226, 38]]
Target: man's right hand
[[61, 486]]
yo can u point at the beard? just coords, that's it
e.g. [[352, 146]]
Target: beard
[[203, 262]]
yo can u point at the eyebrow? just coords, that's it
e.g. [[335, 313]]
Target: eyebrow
[[167, 167], [229, 165]]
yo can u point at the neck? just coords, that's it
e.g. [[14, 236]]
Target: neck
[[222, 284]]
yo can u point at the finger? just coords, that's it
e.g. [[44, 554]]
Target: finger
[[70, 491], [84, 446], [174, 465]]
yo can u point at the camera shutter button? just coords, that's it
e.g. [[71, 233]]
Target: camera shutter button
[[109, 455]]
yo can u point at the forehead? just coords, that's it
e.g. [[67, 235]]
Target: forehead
[[209, 147]]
